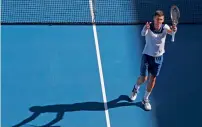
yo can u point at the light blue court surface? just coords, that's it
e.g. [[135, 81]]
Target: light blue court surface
[[49, 65], [56, 67]]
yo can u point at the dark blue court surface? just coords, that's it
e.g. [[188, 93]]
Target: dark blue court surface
[[53, 71]]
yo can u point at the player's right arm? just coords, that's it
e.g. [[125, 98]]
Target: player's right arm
[[145, 29], [171, 29]]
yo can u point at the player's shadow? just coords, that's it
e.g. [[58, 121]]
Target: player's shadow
[[60, 109]]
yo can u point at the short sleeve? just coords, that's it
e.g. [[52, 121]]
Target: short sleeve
[[166, 27]]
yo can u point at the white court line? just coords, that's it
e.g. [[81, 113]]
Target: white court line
[[0, 66], [100, 65]]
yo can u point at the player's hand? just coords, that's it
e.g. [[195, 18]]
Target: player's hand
[[148, 25], [174, 28]]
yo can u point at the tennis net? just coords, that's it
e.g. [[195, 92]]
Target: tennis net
[[106, 11]]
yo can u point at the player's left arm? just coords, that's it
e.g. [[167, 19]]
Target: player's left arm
[[171, 29]]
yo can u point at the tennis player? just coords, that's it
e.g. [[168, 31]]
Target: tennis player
[[152, 58]]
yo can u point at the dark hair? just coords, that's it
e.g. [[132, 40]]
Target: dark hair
[[159, 13]]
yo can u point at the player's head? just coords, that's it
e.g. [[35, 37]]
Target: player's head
[[158, 18]]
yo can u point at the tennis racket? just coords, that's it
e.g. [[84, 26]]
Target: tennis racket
[[175, 15]]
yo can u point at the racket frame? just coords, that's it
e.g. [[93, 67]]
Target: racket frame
[[174, 22]]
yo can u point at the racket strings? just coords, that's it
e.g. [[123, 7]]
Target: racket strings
[[175, 15]]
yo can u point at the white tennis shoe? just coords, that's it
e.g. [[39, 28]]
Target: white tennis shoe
[[134, 95], [146, 104]]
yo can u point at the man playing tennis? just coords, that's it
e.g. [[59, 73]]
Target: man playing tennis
[[152, 58]]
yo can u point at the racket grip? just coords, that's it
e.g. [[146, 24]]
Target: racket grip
[[173, 37]]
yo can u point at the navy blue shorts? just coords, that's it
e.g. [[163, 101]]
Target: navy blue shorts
[[150, 64]]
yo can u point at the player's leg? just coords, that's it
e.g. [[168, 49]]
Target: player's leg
[[154, 70], [149, 88], [151, 84], [142, 78]]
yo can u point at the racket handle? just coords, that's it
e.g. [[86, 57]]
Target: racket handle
[[173, 37]]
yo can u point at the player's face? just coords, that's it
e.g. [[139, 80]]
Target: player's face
[[158, 20]]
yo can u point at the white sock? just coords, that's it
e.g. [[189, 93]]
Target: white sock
[[137, 87], [146, 96]]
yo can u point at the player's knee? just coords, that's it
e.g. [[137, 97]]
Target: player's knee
[[143, 79], [153, 79]]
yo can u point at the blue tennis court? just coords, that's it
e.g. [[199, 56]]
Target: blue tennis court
[[59, 75], [54, 65]]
